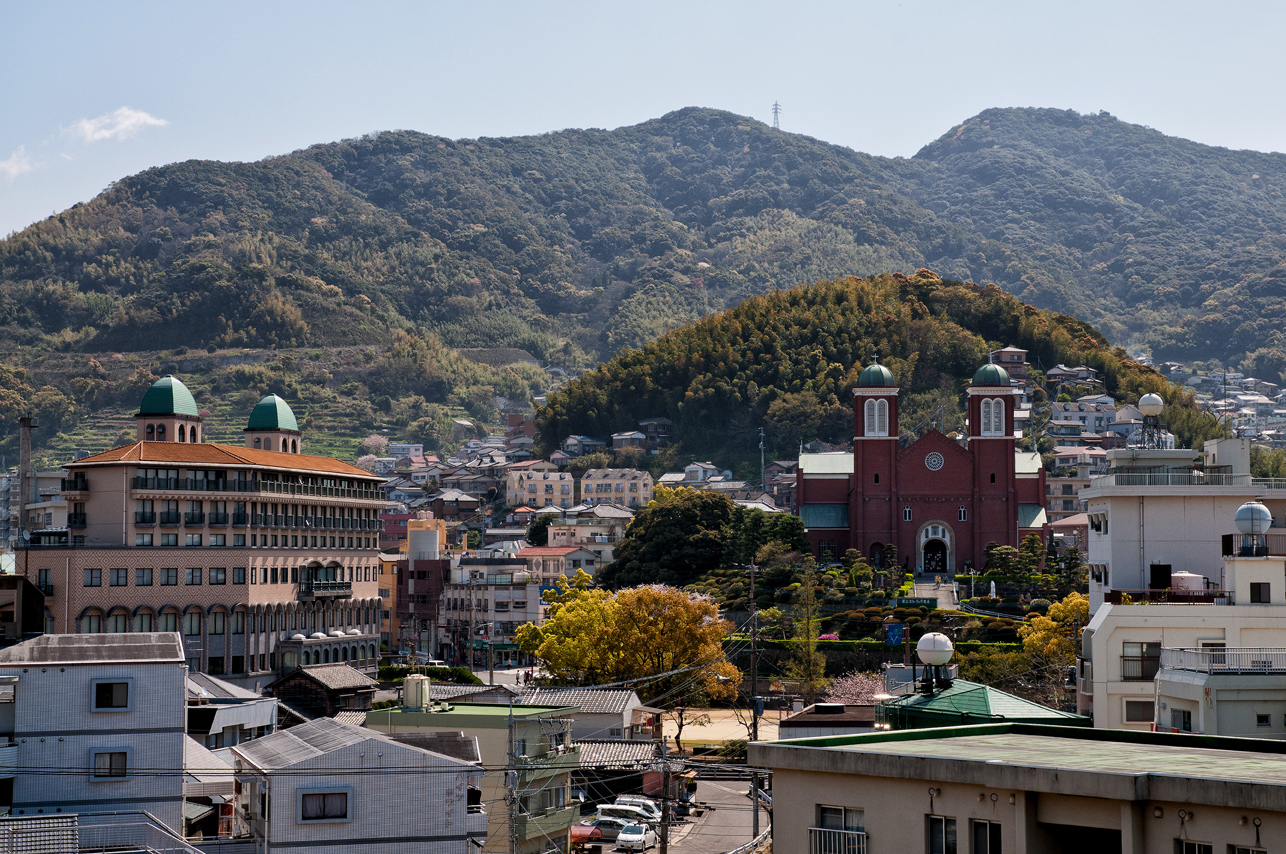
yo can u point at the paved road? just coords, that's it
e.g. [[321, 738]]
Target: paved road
[[942, 592], [726, 823]]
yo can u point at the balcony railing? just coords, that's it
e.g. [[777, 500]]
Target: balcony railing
[[547, 823], [1194, 478], [76, 520], [218, 518], [1236, 660], [1273, 543], [823, 841], [75, 484], [169, 517], [310, 590], [1139, 668], [47, 589], [144, 517], [155, 483], [241, 518], [1171, 596], [194, 518]]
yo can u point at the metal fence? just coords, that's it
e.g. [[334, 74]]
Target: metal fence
[[823, 841], [1237, 660]]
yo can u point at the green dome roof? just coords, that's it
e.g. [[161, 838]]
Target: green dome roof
[[875, 376], [991, 375], [168, 396], [272, 413]]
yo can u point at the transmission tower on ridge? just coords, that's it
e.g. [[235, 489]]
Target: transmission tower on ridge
[[776, 116]]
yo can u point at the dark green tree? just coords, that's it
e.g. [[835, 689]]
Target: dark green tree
[[673, 540]]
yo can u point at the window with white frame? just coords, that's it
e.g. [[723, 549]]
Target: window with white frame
[[876, 417], [941, 836], [984, 837], [906, 513]]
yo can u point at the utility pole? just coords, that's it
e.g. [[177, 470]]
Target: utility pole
[[511, 777], [754, 660], [763, 481], [665, 806], [468, 647]]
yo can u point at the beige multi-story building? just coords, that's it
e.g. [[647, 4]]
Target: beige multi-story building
[[537, 484], [259, 555], [627, 487]]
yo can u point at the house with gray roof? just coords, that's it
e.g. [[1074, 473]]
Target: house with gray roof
[[329, 786], [221, 714], [604, 713]]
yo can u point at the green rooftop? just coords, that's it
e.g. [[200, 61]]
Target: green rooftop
[[970, 703], [168, 396], [272, 413], [875, 376], [991, 375]]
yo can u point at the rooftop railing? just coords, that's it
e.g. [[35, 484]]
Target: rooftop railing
[[1170, 596], [1235, 660]]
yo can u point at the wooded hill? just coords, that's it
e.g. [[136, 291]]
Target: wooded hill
[[787, 361], [574, 244]]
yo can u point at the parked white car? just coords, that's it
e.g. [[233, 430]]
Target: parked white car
[[636, 837]]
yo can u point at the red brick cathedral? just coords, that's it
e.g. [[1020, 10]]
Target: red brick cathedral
[[940, 500]]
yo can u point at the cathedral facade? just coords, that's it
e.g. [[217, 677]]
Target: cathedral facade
[[938, 499]]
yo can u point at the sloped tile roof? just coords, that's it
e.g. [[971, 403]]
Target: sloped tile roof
[[205, 453], [615, 753]]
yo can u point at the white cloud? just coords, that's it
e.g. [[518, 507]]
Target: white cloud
[[18, 163], [118, 124]]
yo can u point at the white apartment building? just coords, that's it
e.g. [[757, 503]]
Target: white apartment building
[[1157, 512], [108, 709], [330, 786], [1124, 648]]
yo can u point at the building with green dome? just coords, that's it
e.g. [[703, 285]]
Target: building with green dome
[[168, 413], [272, 427], [260, 556], [940, 500]]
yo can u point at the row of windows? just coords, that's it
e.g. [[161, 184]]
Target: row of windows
[[216, 623], [962, 514], [167, 577], [156, 433], [294, 541]]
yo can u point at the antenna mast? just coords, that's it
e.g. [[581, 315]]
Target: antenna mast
[[776, 116]]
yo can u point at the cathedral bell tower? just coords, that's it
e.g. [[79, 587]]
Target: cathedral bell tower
[[992, 445], [872, 512]]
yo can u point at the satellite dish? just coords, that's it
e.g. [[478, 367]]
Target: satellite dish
[[26, 536]]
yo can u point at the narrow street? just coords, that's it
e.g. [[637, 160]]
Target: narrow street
[[726, 823], [925, 588]]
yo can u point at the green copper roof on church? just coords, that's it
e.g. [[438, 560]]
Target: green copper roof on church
[[875, 376], [168, 396], [991, 375], [272, 413]]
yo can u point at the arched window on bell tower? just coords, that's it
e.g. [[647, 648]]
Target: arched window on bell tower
[[876, 418]]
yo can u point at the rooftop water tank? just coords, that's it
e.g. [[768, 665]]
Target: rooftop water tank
[[934, 649], [1253, 519], [1187, 581]]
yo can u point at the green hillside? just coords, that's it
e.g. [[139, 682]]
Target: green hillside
[[787, 362], [579, 244]]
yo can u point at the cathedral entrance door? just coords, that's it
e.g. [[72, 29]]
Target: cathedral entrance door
[[935, 558]]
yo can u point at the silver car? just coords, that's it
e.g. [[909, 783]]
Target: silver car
[[636, 837]]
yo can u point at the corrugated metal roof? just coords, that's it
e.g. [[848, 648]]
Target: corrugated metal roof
[[101, 646], [317, 738], [592, 701], [616, 753], [838, 463], [202, 685]]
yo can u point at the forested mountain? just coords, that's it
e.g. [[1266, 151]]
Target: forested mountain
[[575, 244], [787, 361], [578, 244]]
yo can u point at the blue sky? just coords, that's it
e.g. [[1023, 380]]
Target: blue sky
[[96, 91]]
